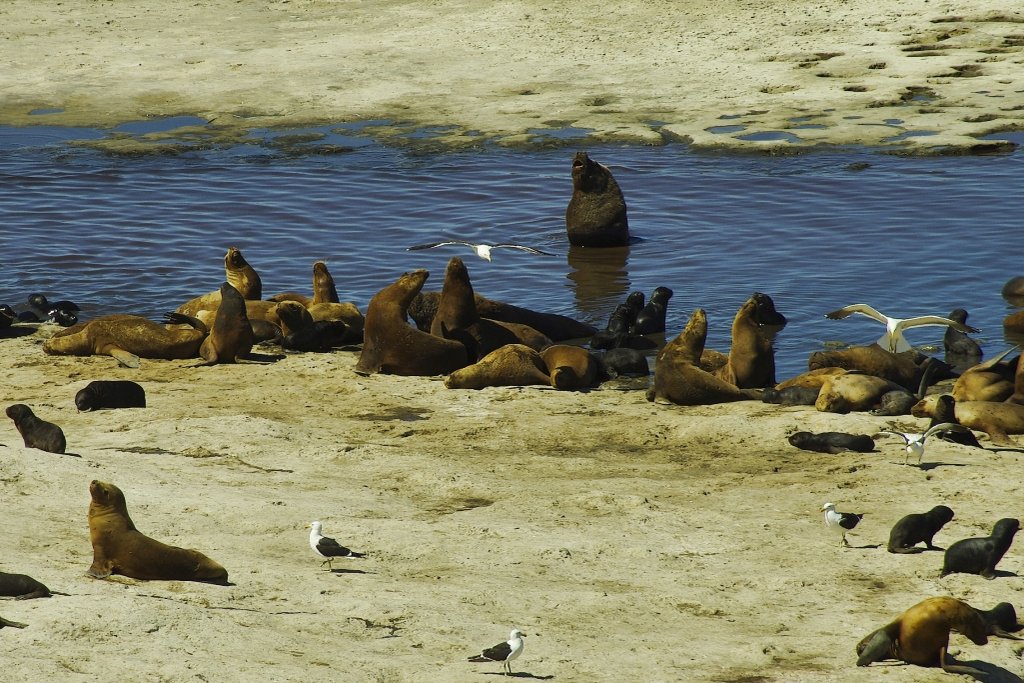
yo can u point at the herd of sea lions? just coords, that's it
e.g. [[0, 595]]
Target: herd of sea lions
[[476, 342]]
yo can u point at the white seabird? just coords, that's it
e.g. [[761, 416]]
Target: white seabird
[[915, 441], [482, 250], [503, 652], [893, 338], [840, 521], [328, 547]]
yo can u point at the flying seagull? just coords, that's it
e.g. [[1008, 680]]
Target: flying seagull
[[840, 521], [915, 441], [482, 250], [503, 652], [893, 338], [328, 547]]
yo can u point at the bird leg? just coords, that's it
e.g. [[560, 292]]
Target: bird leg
[[328, 561]]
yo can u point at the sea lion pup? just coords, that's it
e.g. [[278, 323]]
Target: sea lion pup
[[110, 394], [852, 393], [873, 360], [616, 362], [119, 548], [127, 338], [651, 319], [21, 587], [921, 635], [751, 360], [961, 351], [231, 335], [620, 323], [239, 275], [36, 433], [677, 377], [510, 365], [832, 442], [918, 527], [1002, 620], [571, 367], [980, 555], [945, 411], [596, 215], [392, 346], [998, 419], [791, 396]]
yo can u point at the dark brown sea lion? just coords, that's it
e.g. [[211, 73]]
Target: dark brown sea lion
[[651, 318], [921, 635], [290, 317], [596, 215], [556, 327], [916, 528], [110, 394], [126, 338], [392, 346], [571, 367], [239, 275], [998, 419], [832, 442], [980, 555], [961, 351], [119, 548], [852, 392], [811, 378], [678, 378], [510, 365], [620, 324], [618, 362], [751, 360], [231, 334], [900, 368], [1013, 290], [791, 396], [37, 433], [21, 587]]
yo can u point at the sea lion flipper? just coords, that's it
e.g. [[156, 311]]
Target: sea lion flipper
[[98, 572], [15, 624], [128, 360]]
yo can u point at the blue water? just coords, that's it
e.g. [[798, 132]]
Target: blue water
[[143, 234]]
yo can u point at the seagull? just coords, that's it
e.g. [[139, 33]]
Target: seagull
[[328, 547], [915, 441], [893, 338], [503, 652], [482, 250], [840, 521]]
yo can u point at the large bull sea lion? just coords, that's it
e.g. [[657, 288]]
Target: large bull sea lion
[[596, 215], [751, 360]]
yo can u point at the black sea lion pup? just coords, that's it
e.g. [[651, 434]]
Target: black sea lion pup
[[616, 362], [119, 548], [1002, 620], [651, 319], [596, 215], [110, 394], [37, 433], [980, 555], [918, 527], [791, 396], [21, 587], [832, 442]]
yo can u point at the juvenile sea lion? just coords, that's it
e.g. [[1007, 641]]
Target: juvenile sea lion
[[325, 304], [290, 317], [556, 327], [832, 442], [36, 433], [21, 587], [231, 334], [961, 351], [391, 345], [917, 527], [570, 367], [980, 555], [791, 396], [1002, 620], [620, 324], [678, 378], [510, 365], [651, 319], [852, 393], [921, 635], [119, 548], [997, 419], [322, 336], [596, 215], [751, 361], [110, 394], [126, 338]]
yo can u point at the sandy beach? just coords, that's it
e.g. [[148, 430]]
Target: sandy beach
[[631, 541]]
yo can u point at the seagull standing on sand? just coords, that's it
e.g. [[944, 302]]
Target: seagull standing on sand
[[328, 547], [482, 250], [893, 338], [915, 441], [840, 521], [503, 652]]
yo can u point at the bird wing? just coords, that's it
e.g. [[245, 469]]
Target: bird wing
[[903, 436], [328, 546], [418, 247], [944, 427], [848, 520], [498, 653], [520, 247], [863, 309], [925, 320]]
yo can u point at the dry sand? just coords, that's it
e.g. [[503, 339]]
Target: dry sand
[[631, 541]]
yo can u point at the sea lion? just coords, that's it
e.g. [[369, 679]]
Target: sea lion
[[322, 336], [239, 275], [900, 368], [895, 402], [811, 378], [997, 419], [1002, 620], [231, 334], [110, 394], [651, 319], [392, 346], [992, 380], [945, 411], [980, 555], [37, 433], [832, 442], [596, 215], [1013, 290], [620, 324], [961, 351], [509, 365], [63, 312], [921, 635], [325, 304], [751, 360], [126, 338], [21, 587], [677, 377], [622, 361], [791, 396], [852, 393], [571, 367], [290, 317], [119, 548], [917, 527]]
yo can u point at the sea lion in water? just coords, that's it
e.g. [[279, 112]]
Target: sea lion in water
[[980, 555], [751, 360], [1013, 290], [392, 346], [127, 338], [510, 365], [37, 433], [832, 442], [651, 319], [996, 418], [596, 215], [917, 527], [21, 587], [110, 394], [231, 334], [677, 377], [921, 635], [119, 548], [570, 367]]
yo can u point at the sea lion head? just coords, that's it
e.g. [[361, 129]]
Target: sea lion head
[[1006, 528], [661, 295], [940, 515], [765, 313], [635, 301], [688, 346], [241, 275], [324, 290], [408, 286], [107, 495], [588, 175], [18, 412], [85, 400], [233, 260], [292, 317]]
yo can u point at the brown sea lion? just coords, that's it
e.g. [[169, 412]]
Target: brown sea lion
[[872, 360], [596, 215], [510, 365], [231, 334], [1013, 324], [997, 419], [119, 548], [325, 304], [677, 377], [921, 635], [290, 317], [1013, 290], [993, 380], [811, 378], [852, 392], [35, 432], [751, 360], [239, 275], [126, 338], [571, 367], [392, 346], [21, 587]]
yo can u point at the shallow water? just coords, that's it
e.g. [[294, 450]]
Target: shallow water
[[909, 236]]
